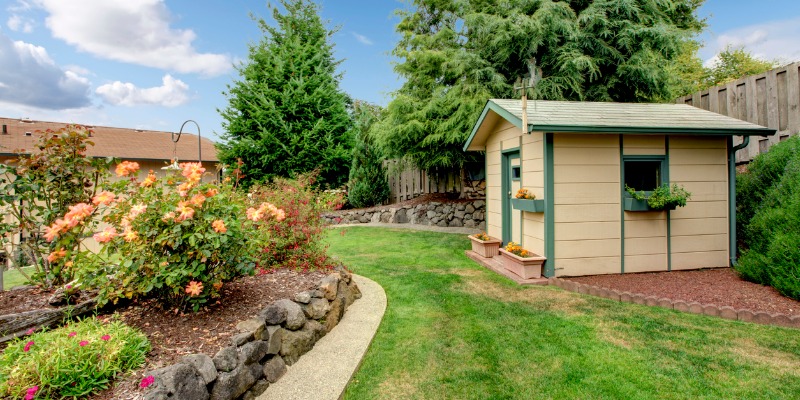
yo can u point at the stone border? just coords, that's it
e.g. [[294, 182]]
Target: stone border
[[466, 214], [266, 344], [694, 307]]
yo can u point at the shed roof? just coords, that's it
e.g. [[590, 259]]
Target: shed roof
[[608, 117], [123, 143]]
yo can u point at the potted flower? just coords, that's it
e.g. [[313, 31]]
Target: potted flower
[[485, 245], [664, 197], [524, 200], [522, 262]]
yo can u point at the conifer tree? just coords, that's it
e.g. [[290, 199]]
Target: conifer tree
[[286, 114], [454, 55], [368, 185]]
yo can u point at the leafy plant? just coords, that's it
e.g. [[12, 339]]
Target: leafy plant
[[482, 236], [38, 187], [368, 185], [74, 360], [663, 197], [515, 248], [524, 194]]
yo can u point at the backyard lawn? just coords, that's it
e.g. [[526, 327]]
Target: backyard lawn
[[12, 277], [453, 330]]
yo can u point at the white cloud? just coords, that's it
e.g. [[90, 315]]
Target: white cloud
[[768, 41], [32, 78], [172, 93], [363, 39], [131, 31], [18, 24]]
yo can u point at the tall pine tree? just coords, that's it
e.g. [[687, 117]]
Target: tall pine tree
[[456, 54], [286, 114], [368, 185]]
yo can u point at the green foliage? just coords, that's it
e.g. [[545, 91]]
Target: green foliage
[[296, 241], [687, 71], [456, 55], [368, 184], [768, 219], [286, 115], [736, 63], [72, 361], [37, 188], [663, 197], [175, 238]]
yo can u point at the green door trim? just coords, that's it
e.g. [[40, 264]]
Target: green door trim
[[549, 208], [622, 193], [669, 221], [505, 186]]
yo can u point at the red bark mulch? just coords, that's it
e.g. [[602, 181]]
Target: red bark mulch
[[721, 287]]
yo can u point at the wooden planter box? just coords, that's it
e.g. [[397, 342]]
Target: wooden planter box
[[530, 205], [631, 204], [527, 267], [485, 248]]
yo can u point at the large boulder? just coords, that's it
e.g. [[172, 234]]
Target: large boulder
[[178, 381], [295, 344], [329, 285], [230, 385], [204, 366], [316, 309], [274, 369], [226, 359]]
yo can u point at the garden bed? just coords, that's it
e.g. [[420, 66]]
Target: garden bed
[[721, 287], [174, 334]]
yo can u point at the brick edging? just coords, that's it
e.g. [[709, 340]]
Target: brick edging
[[693, 307]]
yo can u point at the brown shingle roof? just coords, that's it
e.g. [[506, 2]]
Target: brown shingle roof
[[126, 144]]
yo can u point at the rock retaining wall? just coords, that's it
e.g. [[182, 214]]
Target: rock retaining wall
[[467, 214], [694, 307], [265, 345]]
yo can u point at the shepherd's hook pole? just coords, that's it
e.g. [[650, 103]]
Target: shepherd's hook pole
[[199, 139]]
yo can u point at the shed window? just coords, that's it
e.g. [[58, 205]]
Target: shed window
[[644, 175], [516, 173]]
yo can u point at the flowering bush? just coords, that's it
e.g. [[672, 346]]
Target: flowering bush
[[524, 194], [515, 248], [70, 361], [37, 189], [174, 238], [482, 236], [295, 237]]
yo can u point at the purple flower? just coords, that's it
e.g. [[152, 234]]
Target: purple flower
[[28, 346], [83, 343], [147, 381], [31, 393], [106, 337]]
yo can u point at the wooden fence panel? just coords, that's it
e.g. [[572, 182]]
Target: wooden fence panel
[[408, 183], [771, 99]]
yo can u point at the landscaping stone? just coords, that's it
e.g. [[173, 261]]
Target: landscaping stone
[[204, 366], [335, 314], [226, 359], [614, 295], [762, 318], [230, 385], [275, 339], [242, 338], [256, 390], [746, 315], [317, 308], [179, 381], [626, 297], [329, 285], [711, 310], [251, 325], [274, 314], [400, 217], [695, 308], [665, 303], [303, 297], [728, 312], [253, 352], [295, 318], [680, 305], [651, 301], [639, 298], [781, 320], [795, 320], [295, 344], [274, 369]]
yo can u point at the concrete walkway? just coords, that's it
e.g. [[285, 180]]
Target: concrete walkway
[[323, 372], [432, 228]]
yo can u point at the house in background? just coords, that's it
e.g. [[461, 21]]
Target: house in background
[[151, 149], [577, 157]]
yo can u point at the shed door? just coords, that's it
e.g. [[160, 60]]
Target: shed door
[[512, 182]]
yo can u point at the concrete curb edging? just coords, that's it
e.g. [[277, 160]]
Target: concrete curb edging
[[726, 312]]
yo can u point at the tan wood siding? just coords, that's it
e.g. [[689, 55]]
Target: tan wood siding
[[586, 182], [532, 156], [504, 135], [700, 230]]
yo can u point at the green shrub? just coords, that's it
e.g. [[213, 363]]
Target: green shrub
[[368, 184], [770, 242], [70, 361]]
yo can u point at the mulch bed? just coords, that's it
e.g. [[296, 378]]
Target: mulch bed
[[721, 287], [174, 334]]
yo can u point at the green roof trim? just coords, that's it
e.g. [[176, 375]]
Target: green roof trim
[[613, 118]]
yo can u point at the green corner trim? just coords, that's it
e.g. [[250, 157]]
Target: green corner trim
[[492, 106], [621, 207], [665, 174], [549, 208]]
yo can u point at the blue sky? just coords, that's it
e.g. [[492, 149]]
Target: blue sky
[[152, 64]]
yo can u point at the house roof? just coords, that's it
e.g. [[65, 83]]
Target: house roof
[[126, 144], [607, 117]]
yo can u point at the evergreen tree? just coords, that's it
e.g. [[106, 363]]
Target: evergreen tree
[[454, 55], [286, 115], [368, 185]]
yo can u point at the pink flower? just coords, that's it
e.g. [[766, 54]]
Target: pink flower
[[106, 235], [105, 198], [106, 337], [30, 394], [219, 226], [28, 346], [147, 381], [126, 168], [83, 343], [72, 334], [29, 331]]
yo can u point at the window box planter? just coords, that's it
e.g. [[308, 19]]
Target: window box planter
[[631, 204], [530, 205], [485, 248], [525, 267]]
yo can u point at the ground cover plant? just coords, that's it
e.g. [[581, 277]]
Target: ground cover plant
[[455, 330], [71, 361], [768, 219]]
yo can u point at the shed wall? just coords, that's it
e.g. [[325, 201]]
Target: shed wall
[[504, 136], [532, 155]]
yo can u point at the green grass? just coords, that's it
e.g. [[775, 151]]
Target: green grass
[[12, 277], [453, 330]]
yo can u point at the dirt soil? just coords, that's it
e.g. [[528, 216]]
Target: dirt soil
[[173, 334], [721, 287]]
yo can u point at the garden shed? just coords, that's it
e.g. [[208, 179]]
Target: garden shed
[[577, 157]]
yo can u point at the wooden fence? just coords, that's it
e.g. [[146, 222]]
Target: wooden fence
[[771, 99], [407, 182]]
